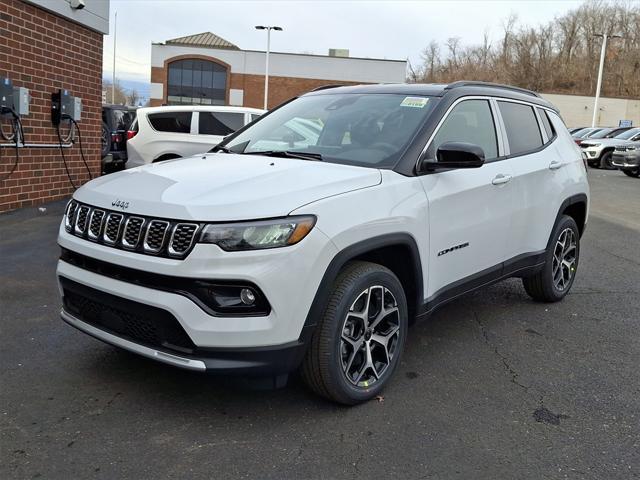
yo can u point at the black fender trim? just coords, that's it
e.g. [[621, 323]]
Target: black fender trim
[[351, 252], [578, 198]]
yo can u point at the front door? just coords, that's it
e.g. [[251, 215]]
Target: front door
[[470, 209]]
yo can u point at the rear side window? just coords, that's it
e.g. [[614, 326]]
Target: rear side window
[[177, 122], [522, 127], [546, 123], [470, 121], [220, 123]]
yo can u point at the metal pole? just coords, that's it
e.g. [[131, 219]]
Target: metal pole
[[602, 53], [113, 74], [266, 69]]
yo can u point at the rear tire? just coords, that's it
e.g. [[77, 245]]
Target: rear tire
[[359, 339], [632, 173], [554, 281]]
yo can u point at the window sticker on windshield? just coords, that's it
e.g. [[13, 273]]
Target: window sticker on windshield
[[415, 102]]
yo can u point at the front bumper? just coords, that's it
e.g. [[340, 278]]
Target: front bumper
[[593, 153], [288, 277], [625, 161]]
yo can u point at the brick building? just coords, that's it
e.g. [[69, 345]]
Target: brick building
[[46, 45], [206, 69]]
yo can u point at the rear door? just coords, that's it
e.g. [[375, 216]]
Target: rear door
[[538, 165], [470, 209]]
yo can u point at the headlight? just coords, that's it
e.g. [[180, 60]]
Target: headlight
[[279, 232], [590, 145], [631, 149]]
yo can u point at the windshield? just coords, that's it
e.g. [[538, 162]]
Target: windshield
[[628, 134], [370, 130], [602, 133]]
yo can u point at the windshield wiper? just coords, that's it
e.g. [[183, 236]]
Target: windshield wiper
[[288, 154], [220, 148]]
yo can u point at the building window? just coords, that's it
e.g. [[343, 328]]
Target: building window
[[196, 82]]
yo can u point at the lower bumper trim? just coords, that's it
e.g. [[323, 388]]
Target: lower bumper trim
[[247, 361], [107, 337]]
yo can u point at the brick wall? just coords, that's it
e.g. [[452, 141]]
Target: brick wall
[[280, 88], [44, 52]]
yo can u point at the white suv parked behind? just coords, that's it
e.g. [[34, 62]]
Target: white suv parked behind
[[269, 255], [163, 133]]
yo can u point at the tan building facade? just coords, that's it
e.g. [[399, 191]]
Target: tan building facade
[[577, 110], [206, 69]]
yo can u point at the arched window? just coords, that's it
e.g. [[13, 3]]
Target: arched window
[[196, 82]]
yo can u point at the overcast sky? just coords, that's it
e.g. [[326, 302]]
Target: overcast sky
[[379, 29]]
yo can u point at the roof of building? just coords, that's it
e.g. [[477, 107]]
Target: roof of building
[[205, 39]]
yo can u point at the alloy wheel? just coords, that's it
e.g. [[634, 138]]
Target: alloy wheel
[[564, 259], [369, 337]]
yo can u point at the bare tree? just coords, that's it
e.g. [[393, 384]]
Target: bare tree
[[560, 56], [133, 97]]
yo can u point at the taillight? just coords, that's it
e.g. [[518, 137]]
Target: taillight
[[131, 134]]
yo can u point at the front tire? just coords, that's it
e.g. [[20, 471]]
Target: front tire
[[359, 340], [554, 281], [605, 161], [632, 173]]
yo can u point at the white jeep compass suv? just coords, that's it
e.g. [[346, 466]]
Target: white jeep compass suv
[[280, 251]]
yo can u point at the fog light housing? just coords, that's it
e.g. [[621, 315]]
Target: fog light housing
[[247, 296], [241, 299]]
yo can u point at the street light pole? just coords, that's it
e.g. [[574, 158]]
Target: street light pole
[[113, 73], [266, 62], [600, 70]]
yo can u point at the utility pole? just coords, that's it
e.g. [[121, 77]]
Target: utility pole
[[266, 65], [113, 74], [600, 71]]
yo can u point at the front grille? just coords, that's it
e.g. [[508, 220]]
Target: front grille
[[132, 230], [95, 224], [182, 238], [153, 236], [81, 220], [112, 230], [137, 322]]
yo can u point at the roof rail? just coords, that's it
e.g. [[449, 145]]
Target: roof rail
[[470, 83], [326, 87]]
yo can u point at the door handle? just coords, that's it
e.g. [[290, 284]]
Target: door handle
[[555, 165], [500, 179]]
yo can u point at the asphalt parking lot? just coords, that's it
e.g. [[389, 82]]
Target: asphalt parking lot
[[492, 386]]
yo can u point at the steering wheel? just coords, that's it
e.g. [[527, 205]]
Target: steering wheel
[[388, 147]]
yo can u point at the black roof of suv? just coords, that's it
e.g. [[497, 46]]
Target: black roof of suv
[[451, 91]]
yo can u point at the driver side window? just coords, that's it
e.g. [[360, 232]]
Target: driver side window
[[470, 121]]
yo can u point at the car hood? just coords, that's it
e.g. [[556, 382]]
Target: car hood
[[604, 142], [221, 187]]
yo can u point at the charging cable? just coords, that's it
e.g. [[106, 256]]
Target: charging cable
[[66, 139], [16, 136]]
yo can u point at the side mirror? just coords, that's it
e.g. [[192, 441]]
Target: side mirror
[[455, 155]]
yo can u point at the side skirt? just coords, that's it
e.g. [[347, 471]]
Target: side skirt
[[519, 266]]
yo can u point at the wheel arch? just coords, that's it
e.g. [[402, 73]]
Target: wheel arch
[[397, 251], [166, 156], [575, 207]]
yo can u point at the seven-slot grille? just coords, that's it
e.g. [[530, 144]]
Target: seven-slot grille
[[131, 232]]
